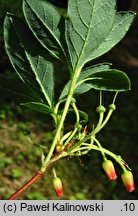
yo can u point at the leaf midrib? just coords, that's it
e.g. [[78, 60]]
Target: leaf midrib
[[87, 35], [26, 55], [49, 31], [38, 79]]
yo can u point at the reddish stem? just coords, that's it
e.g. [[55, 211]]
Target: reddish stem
[[28, 184]]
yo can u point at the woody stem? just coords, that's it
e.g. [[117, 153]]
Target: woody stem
[[28, 184]]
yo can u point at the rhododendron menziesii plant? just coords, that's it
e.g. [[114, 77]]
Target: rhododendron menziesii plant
[[34, 46]]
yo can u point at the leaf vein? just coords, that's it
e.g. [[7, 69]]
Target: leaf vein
[[82, 18], [78, 33], [39, 81], [74, 47], [44, 24]]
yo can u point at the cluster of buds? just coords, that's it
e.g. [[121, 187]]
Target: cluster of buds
[[127, 176]]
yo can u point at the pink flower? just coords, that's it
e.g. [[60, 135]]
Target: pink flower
[[109, 170], [128, 180], [58, 186]]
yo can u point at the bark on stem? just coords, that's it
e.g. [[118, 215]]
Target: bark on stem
[[36, 176], [28, 184]]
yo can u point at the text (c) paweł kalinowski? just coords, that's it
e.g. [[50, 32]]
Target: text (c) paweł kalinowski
[[97, 207]]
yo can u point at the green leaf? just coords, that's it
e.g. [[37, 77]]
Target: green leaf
[[83, 75], [84, 87], [88, 24], [83, 115], [29, 59], [109, 80], [16, 90], [40, 107], [121, 25], [45, 22], [44, 72], [86, 72], [99, 77], [18, 57]]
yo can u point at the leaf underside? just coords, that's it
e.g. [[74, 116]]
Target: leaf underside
[[83, 115], [30, 63], [46, 24], [109, 80], [37, 106], [92, 28], [99, 77]]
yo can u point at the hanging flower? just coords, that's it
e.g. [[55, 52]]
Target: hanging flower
[[58, 186], [109, 170], [128, 180]]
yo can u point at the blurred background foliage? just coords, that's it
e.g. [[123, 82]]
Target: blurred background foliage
[[83, 177]]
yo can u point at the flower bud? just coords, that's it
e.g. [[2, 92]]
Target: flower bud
[[58, 148], [58, 186], [112, 107], [128, 181], [109, 170], [101, 109]]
